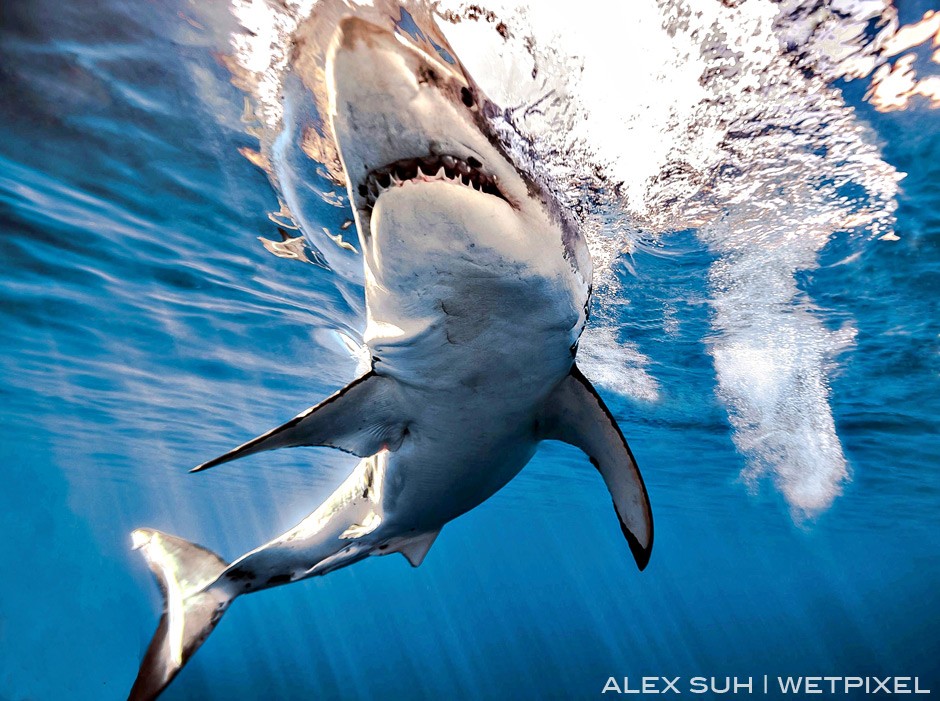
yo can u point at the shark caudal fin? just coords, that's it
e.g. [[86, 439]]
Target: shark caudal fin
[[191, 606]]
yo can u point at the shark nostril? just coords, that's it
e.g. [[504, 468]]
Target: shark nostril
[[466, 96]]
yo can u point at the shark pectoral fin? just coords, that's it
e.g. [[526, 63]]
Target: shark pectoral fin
[[362, 419], [574, 413]]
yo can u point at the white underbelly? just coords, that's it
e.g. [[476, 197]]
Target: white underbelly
[[475, 314]]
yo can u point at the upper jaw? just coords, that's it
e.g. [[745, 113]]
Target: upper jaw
[[461, 172], [397, 112], [393, 109]]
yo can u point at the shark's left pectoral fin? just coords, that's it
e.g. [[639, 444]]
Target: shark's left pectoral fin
[[574, 413], [362, 418]]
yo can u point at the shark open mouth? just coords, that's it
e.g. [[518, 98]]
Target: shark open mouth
[[466, 173]]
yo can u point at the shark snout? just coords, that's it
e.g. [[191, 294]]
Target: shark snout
[[354, 30], [393, 104]]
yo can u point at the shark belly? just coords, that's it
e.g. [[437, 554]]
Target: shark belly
[[468, 299], [475, 317]]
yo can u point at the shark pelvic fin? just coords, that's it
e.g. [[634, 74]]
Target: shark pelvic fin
[[414, 549], [575, 414], [362, 419]]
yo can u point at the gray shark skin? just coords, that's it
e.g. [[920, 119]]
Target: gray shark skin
[[477, 290]]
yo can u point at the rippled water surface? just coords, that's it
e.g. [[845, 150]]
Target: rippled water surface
[[765, 330]]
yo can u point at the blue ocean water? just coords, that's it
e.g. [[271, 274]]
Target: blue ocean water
[[145, 329]]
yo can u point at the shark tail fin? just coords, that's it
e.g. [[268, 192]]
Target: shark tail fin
[[192, 606]]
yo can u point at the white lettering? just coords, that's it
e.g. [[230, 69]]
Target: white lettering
[[853, 683], [725, 690], [788, 685], [626, 687]]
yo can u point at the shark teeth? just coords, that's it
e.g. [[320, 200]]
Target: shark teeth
[[466, 173]]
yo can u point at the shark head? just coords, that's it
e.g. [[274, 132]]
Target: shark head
[[407, 120]]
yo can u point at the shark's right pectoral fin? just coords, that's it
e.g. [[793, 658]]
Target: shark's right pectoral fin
[[362, 418], [574, 413]]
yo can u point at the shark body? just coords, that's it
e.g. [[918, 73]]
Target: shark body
[[477, 290]]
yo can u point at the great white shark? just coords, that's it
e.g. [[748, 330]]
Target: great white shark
[[477, 290]]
